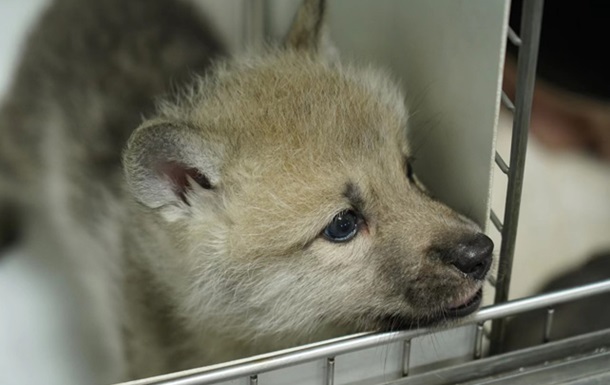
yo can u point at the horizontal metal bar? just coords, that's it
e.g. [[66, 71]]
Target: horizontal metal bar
[[540, 301], [332, 348], [513, 37], [495, 220], [529, 361], [553, 373], [602, 378], [507, 102]]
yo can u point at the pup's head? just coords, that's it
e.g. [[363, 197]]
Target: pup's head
[[285, 192]]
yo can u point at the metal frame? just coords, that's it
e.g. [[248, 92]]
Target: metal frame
[[585, 358], [551, 360], [531, 22], [329, 350]]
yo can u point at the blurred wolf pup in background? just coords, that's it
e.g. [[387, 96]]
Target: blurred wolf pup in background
[[263, 201]]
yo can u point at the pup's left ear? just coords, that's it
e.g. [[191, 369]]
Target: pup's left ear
[[167, 163], [308, 31]]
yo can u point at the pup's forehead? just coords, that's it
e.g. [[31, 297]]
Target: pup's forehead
[[291, 101]]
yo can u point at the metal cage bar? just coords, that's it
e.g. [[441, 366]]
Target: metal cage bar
[[531, 21], [333, 348]]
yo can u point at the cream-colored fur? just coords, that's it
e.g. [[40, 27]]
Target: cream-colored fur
[[212, 247]]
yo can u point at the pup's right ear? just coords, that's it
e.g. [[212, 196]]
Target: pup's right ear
[[308, 31], [164, 163]]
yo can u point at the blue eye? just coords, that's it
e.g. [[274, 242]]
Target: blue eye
[[343, 227]]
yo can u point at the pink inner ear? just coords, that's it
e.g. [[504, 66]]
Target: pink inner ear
[[177, 174]]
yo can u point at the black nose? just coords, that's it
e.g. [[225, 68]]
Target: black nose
[[471, 256]]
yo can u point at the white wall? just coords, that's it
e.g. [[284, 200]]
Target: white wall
[[447, 53]]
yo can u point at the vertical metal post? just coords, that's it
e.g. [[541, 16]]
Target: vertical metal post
[[406, 358], [478, 341], [531, 20], [254, 380], [548, 325], [330, 371]]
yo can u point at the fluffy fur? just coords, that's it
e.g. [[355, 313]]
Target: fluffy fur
[[209, 246]]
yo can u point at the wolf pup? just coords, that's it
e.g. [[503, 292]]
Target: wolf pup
[[269, 202]]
